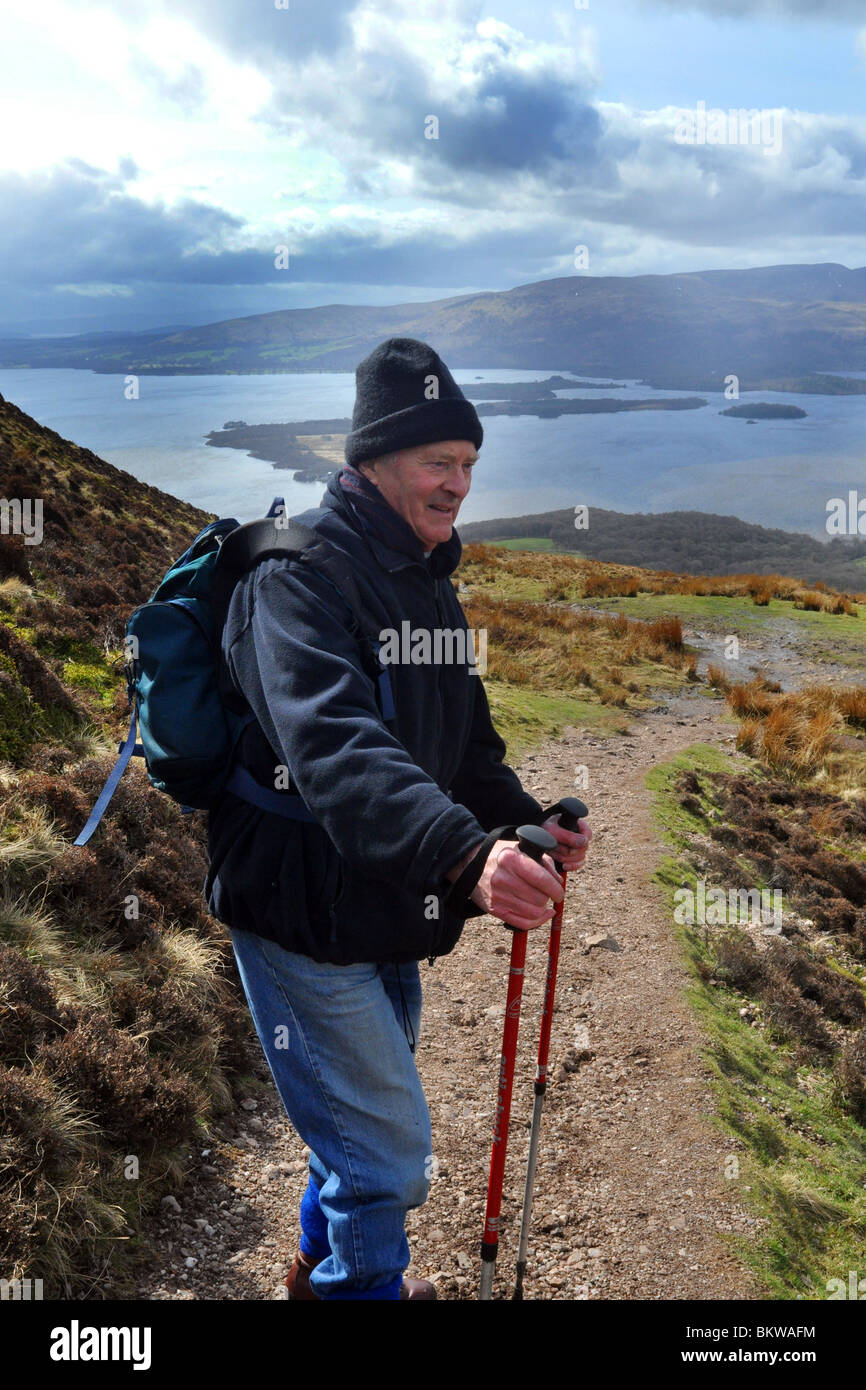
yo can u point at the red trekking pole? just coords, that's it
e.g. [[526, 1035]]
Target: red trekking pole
[[572, 811], [534, 841]]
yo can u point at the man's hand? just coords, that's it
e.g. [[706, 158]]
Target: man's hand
[[517, 888], [574, 844]]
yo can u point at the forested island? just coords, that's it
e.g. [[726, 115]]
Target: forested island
[[313, 448], [603, 405], [762, 410], [534, 390], [684, 541]]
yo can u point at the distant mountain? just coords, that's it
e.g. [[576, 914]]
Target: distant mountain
[[688, 542], [684, 331]]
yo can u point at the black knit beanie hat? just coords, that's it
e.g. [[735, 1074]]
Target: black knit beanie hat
[[406, 396]]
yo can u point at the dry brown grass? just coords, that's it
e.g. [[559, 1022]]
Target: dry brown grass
[[751, 699], [795, 732], [601, 585], [761, 588], [569, 577], [718, 678], [851, 704], [824, 602], [794, 739], [533, 644]]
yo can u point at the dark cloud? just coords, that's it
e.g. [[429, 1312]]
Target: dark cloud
[[75, 223], [504, 111], [525, 167], [82, 226], [79, 226], [518, 122]]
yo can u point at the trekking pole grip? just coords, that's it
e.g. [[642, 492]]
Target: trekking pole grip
[[572, 810], [535, 841]]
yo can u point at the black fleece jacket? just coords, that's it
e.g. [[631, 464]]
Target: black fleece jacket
[[395, 808]]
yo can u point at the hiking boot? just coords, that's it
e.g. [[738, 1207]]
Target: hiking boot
[[297, 1281]]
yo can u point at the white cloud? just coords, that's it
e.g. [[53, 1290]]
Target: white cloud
[[93, 84]]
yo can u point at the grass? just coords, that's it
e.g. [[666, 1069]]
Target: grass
[[814, 733], [111, 1047], [748, 606], [527, 717], [800, 1154], [599, 658], [121, 1024], [525, 543], [99, 679], [823, 637]]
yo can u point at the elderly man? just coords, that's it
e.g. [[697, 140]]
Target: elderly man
[[331, 915]]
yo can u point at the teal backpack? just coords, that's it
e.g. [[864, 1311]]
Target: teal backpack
[[188, 715]]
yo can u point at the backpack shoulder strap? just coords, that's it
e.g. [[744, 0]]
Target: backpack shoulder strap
[[262, 539], [269, 538], [243, 548]]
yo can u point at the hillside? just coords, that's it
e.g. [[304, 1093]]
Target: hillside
[[120, 1027], [684, 331], [687, 542]]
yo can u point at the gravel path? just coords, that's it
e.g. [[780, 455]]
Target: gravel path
[[631, 1196]]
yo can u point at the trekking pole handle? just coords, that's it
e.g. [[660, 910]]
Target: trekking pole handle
[[573, 810], [535, 841]]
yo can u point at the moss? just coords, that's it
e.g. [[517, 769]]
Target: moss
[[99, 677]]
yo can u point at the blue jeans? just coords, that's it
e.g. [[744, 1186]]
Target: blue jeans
[[334, 1039]]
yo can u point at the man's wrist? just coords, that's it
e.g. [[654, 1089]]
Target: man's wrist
[[456, 870]]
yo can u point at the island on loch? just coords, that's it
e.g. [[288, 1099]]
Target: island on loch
[[764, 411], [313, 448]]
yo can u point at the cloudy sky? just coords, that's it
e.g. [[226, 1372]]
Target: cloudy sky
[[157, 154]]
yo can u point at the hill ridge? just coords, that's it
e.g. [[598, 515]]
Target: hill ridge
[[686, 330]]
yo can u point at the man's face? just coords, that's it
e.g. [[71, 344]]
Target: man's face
[[426, 485]]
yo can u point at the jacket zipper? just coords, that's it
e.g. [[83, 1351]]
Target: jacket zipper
[[441, 618], [435, 582]]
